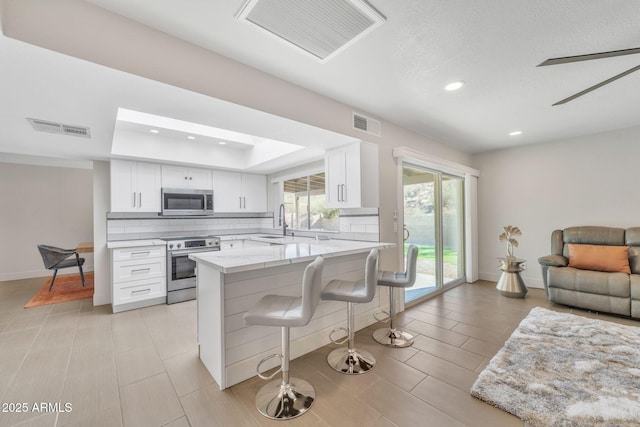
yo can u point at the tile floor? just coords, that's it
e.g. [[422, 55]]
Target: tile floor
[[141, 368]]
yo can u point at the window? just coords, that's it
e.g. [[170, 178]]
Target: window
[[304, 204]]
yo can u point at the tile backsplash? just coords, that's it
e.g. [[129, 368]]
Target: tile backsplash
[[355, 224]]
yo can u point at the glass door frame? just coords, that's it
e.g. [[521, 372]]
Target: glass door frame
[[438, 232]]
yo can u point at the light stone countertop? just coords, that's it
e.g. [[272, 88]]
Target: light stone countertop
[[277, 239], [300, 249], [135, 243]]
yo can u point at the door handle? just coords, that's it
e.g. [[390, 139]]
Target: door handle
[[405, 232]]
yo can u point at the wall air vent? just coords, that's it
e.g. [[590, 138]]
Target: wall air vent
[[366, 124], [59, 128], [319, 28]]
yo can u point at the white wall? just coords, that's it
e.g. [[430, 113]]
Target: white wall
[[591, 180], [42, 204], [101, 204]]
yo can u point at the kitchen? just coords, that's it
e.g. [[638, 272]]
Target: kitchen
[[163, 205], [204, 211]]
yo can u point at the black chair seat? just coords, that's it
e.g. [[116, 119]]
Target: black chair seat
[[71, 262]]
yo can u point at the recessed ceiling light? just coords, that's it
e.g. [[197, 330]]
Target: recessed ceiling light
[[191, 137], [515, 133], [154, 131], [454, 85], [222, 143]]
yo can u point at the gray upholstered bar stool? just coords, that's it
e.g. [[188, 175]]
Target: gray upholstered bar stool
[[350, 360], [288, 397], [392, 337]]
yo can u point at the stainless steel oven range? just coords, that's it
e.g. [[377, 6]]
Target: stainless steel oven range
[[181, 271]]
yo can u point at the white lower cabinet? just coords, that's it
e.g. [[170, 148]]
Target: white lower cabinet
[[139, 276], [140, 290]]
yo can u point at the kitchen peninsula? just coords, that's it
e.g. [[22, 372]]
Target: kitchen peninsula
[[229, 282]]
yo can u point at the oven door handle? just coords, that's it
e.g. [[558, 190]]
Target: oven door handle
[[191, 251]]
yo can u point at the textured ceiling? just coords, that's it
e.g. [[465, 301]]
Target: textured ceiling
[[396, 73]]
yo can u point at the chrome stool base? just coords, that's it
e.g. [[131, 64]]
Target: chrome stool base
[[280, 401], [352, 361], [393, 337]]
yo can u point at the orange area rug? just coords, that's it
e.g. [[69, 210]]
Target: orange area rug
[[65, 288]]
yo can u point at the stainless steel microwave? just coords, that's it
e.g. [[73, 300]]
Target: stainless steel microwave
[[186, 202]]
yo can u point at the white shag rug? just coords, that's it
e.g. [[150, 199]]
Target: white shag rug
[[559, 369]]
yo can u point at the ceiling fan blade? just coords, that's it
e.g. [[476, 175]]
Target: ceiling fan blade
[[594, 87], [590, 56]]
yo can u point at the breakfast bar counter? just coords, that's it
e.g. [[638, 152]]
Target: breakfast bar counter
[[229, 282]]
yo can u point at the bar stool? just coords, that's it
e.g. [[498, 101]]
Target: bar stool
[[350, 360], [392, 337], [287, 397]]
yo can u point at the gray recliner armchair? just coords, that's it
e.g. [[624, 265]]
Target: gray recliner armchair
[[605, 291], [56, 258]]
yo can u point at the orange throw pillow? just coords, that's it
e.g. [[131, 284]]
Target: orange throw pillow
[[599, 258]]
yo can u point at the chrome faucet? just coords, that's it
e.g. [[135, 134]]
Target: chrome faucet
[[281, 220]]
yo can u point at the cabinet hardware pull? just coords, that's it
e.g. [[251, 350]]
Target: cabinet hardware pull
[[148, 269], [140, 200], [140, 253], [134, 199], [244, 199], [240, 199], [338, 192], [343, 198], [139, 291]]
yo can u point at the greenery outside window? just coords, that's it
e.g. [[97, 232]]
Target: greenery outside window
[[304, 200]]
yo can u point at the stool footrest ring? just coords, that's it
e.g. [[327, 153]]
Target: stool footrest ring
[[344, 340], [383, 320], [271, 356]]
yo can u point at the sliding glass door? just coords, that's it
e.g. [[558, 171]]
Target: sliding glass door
[[433, 205], [452, 229]]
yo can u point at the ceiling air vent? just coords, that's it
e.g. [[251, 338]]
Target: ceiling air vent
[[319, 28], [366, 124], [59, 128]]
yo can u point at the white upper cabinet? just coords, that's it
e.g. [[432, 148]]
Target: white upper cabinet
[[254, 193], [239, 192], [185, 177], [351, 176], [135, 186]]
